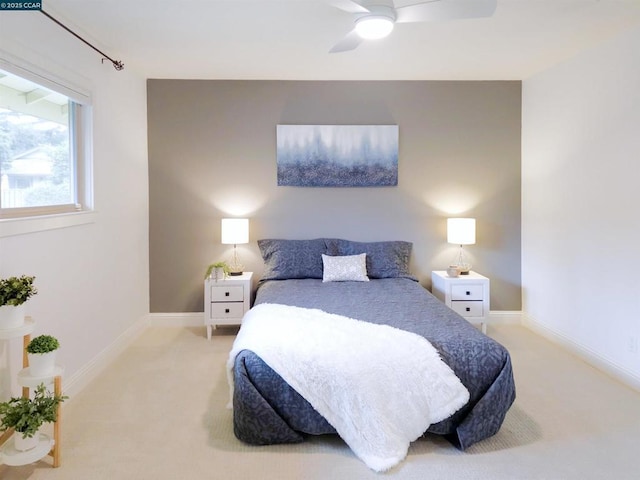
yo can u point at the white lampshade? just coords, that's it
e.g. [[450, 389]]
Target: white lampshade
[[373, 27], [461, 231], [235, 231]]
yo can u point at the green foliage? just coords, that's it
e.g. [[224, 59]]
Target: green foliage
[[222, 265], [16, 290], [61, 168], [43, 344], [27, 415], [18, 136], [48, 194]]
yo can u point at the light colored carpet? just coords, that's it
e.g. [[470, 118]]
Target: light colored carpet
[[159, 413]]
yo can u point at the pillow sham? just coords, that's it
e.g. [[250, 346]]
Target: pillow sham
[[348, 268], [388, 259], [285, 259]]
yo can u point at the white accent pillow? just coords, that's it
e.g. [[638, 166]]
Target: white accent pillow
[[345, 268]]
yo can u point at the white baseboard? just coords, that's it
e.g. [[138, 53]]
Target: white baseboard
[[186, 319], [81, 378], [505, 317], [593, 358]]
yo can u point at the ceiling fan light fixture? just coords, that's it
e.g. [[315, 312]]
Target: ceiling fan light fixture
[[373, 27]]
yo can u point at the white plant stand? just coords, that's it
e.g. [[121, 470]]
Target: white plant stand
[[46, 444], [15, 458]]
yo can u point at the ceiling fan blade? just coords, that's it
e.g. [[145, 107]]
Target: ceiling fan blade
[[350, 6], [350, 42], [442, 10]]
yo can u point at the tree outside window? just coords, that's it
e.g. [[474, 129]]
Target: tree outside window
[[37, 163]]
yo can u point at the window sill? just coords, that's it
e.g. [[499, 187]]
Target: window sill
[[22, 226]]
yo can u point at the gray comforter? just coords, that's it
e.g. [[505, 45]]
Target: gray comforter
[[268, 411]]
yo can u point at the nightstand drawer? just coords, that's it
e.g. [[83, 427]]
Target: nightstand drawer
[[230, 293], [227, 310], [467, 295], [226, 300], [468, 309], [467, 292]]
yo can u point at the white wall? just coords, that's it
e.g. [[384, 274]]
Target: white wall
[[93, 278], [580, 197]]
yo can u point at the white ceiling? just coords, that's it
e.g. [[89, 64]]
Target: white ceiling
[[290, 39]]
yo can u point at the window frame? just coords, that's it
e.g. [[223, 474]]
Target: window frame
[[80, 123]]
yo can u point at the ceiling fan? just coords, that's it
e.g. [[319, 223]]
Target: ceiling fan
[[376, 18]]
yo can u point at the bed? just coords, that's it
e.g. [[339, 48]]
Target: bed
[[266, 410]]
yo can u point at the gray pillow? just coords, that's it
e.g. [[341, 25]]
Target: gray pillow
[[285, 259], [384, 259]]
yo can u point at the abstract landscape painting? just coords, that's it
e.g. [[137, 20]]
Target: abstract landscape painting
[[337, 155]]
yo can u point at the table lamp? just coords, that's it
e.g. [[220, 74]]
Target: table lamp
[[461, 231], [235, 231]]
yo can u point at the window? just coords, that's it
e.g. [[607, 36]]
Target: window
[[42, 154]]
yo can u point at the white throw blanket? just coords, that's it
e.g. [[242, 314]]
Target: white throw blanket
[[378, 386]]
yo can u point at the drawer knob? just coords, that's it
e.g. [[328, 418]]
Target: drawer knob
[[468, 292], [226, 310], [468, 309], [226, 294]]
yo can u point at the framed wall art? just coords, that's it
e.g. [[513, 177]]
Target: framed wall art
[[337, 155]]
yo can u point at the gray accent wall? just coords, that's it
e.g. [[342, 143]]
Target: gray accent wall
[[212, 154]]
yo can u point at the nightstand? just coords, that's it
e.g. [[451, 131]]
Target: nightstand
[[226, 301], [467, 295]]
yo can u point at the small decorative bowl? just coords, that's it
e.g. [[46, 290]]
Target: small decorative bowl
[[453, 271]]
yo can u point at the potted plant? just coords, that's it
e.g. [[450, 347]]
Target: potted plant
[[217, 271], [26, 416], [41, 352], [14, 291]]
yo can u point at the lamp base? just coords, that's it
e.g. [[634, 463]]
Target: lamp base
[[464, 268]]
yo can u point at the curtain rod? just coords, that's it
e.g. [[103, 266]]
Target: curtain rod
[[118, 65]]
